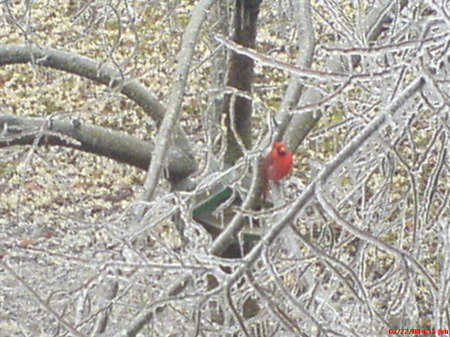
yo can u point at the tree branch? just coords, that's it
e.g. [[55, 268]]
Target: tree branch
[[41, 301], [326, 173], [22, 130], [98, 72], [175, 98], [306, 42], [301, 124]]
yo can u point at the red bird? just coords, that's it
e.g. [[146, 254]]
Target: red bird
[[276, 166]]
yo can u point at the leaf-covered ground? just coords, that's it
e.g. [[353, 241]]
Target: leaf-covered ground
[[62, 212], [59, 208]]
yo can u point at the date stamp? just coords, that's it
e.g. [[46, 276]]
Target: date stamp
[[433, 332]]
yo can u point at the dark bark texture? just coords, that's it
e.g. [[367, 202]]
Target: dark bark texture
[[240, 76]]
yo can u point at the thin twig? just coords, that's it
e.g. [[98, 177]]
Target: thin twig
[[38, 299]]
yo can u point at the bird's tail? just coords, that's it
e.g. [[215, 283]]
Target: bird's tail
[[265, 189]]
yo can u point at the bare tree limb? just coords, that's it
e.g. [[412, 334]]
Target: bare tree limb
[[23, 130], [306, 43], [301, 124], [326, 173], [175, 98], [372, 239], [95, 71], [84, 67], [293, 69], [41, 302]]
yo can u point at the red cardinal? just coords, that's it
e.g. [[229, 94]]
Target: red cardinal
[[276, 166]]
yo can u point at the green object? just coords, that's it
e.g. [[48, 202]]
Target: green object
[[212, 203], [214, 222]]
